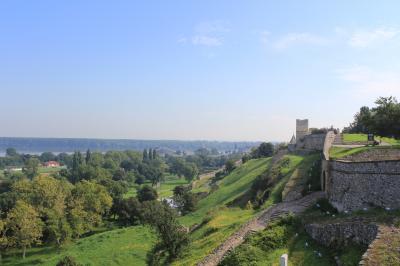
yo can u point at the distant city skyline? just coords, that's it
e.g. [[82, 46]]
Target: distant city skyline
[[192, 70]]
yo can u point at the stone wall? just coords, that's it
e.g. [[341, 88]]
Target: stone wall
[[357, 185], [342, 233], [313, 142]]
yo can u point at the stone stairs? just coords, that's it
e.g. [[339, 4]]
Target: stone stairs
[[259, 223], [338, 139]]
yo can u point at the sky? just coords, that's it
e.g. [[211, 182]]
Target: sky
[[192, 70]]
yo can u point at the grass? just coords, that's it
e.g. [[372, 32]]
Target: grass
[[165, 190], [127, 246], [364, 138], [340, 152], [221, 221]]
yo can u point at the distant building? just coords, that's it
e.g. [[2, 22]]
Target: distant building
[[51, 164]]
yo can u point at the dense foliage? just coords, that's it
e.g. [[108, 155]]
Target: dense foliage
[[382, 120]]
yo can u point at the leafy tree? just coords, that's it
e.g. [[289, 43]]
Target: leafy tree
[[154, 154], [88, 156], [128, 211], [173, 237], [11, 152], [230, 166], [24, 225], [266, 149], [145, 155], [147, 193], [150, 154], [31, 167], [86, 206], [47, 156], [184, 199], [3, 237]]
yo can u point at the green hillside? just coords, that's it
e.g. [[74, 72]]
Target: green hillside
[[219, 221]]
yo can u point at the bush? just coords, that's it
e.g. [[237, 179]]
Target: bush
[[68, 261], [244, 255], [147, 193]]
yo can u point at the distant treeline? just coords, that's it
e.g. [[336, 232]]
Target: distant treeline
[[39, 145]]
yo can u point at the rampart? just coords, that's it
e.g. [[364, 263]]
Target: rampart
[[357, 185]]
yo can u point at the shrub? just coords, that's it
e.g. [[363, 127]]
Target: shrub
[[68, 261], [244, 255]]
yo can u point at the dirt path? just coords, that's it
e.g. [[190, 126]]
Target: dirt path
[[259, 223]]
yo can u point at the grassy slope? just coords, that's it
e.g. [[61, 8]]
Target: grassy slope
[[299, 254], [223, 221], [126, 246]]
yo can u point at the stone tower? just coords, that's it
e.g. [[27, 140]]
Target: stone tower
[[301, 128]]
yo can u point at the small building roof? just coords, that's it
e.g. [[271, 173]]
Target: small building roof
[[293, 140]]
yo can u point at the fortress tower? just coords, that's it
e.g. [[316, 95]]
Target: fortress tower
[[301, 128]]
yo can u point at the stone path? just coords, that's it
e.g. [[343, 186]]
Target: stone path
[[259, 223]]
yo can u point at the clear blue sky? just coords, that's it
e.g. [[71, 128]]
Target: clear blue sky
[[224, 70]]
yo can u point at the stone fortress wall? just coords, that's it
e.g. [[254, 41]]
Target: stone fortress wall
[[363, 180], [354, 186]]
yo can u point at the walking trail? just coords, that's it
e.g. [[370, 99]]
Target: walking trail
[[259, 223]]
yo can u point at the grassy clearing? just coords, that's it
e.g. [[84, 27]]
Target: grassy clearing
[[165, 190], [364, 138], [127, 246]]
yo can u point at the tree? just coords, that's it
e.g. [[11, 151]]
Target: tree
[[154, 154], [266, 149], [128, 210], [229, 166], [150, 154], [88, 203], [48, 196], [3, 237], [11, 152], [173, 237], [88, 156], [24, 225], [147, 193], [185, 200], [145, 155], [31, 167], [47, 156]]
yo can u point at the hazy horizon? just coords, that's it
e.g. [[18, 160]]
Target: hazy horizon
[[204, 70]]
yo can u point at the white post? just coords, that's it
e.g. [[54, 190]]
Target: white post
[[284, 260]]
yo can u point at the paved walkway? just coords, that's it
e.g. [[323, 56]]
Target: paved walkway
[[259, 223]]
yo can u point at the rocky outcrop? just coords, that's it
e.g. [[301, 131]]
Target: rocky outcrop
[[341, 234]]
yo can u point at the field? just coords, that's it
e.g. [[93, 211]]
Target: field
[[127, 246]]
